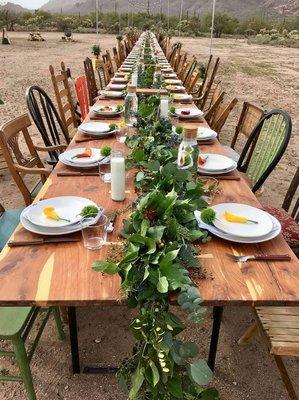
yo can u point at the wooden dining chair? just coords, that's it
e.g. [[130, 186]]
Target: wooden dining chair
[[219, 112], [110, 67], [21, 155], [64, 99], [15, 326], [201, 97], [116, 57], [103, 75], [47, 120], [9, 220], [91, 81], [279, 327], [265, 147], [191, 68], [82, 95]]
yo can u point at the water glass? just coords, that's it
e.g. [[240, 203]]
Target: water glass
[[94, 236]]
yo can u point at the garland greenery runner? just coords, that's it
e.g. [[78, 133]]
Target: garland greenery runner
[[159, 251]]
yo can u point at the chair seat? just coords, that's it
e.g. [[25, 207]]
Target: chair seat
[[9, 220], [13, 320], [281, 326], [290, 228]]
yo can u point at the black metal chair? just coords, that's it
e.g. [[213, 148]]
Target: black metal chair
[[265, 147], [46, 119]]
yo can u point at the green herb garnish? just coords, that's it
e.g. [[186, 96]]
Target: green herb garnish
[[119, 108], [208, 216], [106, 151], [179, 130], [89, 211], [112, 127]]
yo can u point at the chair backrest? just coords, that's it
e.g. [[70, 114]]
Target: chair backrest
[[103, 75], [20, 160], [265, 147], [288, 200], [217, 116], [82, 95], [109, 64], [208, 80], [91, 81], [116, 57], [64, 99], [249, 118], [46, 119], [193, 82], [190, 71]]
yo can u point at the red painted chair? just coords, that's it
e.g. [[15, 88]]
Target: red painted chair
[[82, 95]]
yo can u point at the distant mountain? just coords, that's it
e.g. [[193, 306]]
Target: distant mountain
[[14, 7], [239, 8]]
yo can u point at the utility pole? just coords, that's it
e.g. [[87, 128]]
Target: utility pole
[[97, 19], [181, 14], [148, 7], [212, 27], [168, 15]]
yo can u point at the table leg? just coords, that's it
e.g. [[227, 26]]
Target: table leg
[[217, 316], [74, 340]]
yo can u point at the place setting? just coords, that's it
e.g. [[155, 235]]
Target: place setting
[[99, 111], [186, 113], [215, 164], [97, 129], [85, 158], [240, 223], [110, 94]]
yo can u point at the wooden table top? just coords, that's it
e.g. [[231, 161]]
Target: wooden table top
[[61, 274]]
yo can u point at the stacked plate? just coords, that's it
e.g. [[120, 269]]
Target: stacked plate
[[182, 97], [204, 133], [98, 129], [188, 113], [70, 158], [173, 82], [116, 86], [175, 88], [215, 164], [67, 207], [170, 75], [266, 227], [112, 93], [125, 69], [119, 79], [108, 111]]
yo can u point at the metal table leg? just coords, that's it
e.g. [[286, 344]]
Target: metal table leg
[[74, 339], [217, 316]]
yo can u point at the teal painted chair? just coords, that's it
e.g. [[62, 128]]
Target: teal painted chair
[[16, 322]]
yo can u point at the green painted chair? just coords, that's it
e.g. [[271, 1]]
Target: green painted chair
[[16, 322], [265, 147]]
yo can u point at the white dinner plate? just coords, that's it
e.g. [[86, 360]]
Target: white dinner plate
[[73, 164], [70, 155], [204, 133], [101, 110], [247, 230], [125, 69], [94, 127], [194, 113], [119, 79], [173, 82], [111, 93], [276, 229], [67, 207], [169, 76], [216, 163], [116, 86], [182, 96], [175, 88]]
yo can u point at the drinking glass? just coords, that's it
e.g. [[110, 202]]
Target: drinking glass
[[94, 236]]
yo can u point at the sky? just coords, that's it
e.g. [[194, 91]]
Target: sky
[[32, 4]]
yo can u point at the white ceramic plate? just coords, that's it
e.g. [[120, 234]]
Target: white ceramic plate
[[175, 88], [216, 162], [111, 93], [68, 207], [183, 96], [271, 235], [73, 164], [169, 76], [247, 230], [113, 86], [119, 79], [204, 133], [125, 69], [97, 109], [70, 155], [194, 113], [94, 127], [173, 82]]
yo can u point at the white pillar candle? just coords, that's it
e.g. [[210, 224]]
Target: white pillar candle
[[134, 79], [118, 176], [164, 108]]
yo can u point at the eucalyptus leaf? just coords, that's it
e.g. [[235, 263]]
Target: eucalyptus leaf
[[162, 285], [200, 372], [137, 381], [105, 267]]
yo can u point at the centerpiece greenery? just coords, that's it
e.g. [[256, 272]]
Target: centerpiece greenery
[[161, 237]]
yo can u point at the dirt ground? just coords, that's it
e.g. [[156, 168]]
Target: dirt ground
[[266, 76]]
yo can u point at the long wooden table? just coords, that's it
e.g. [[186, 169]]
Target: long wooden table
[[61, 274]]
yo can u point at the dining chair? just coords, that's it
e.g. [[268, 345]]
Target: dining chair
[[22, 156], [110, 67], [202, 96], [9, 220], [82, 95], [102, 75], [64, 99], [265, 147], [192, 66], [219, 112], [15, 326], [193, 82], [91, 81], [116, 57], [47, 120], [279, 327]]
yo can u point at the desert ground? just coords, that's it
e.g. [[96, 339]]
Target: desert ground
[[267, 76]]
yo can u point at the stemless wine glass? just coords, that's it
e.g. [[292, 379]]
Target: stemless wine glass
[[94, 236]]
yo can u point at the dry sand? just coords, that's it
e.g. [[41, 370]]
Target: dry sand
[[264, 75]]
